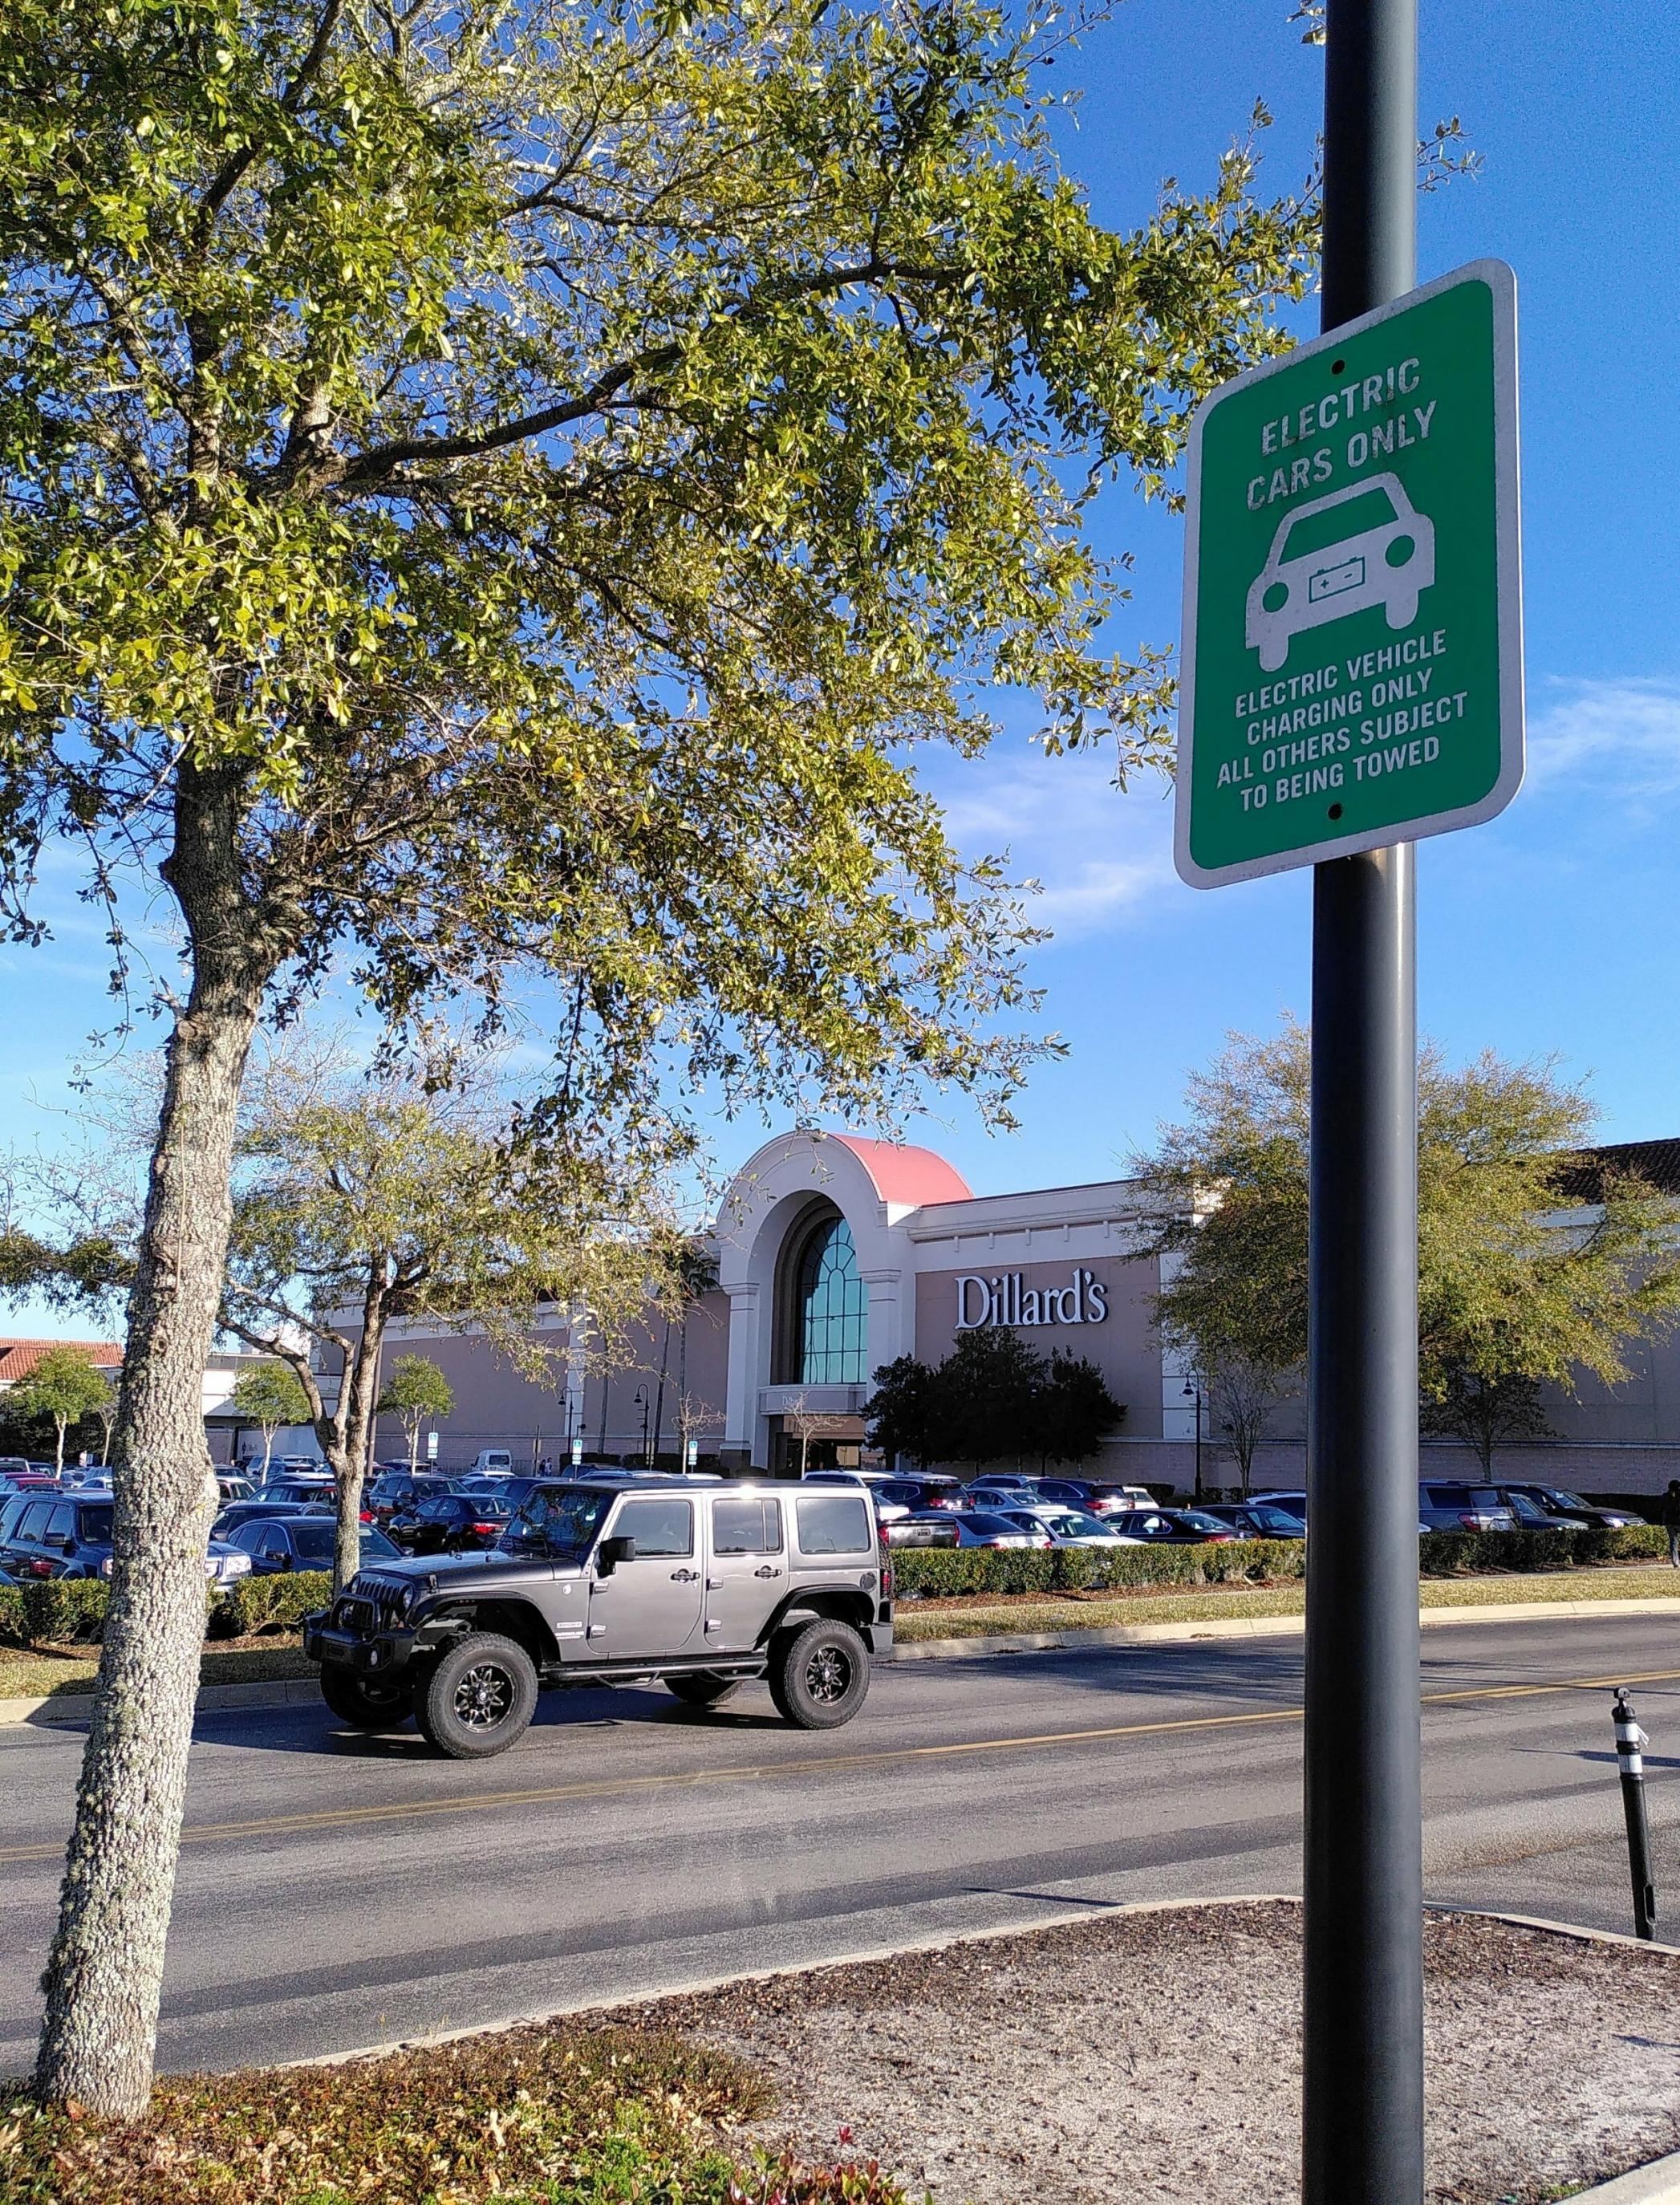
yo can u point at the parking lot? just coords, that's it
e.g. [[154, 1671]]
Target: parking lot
[[338, 1890]]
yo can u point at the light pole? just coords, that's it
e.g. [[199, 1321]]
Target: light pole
[[642, 1402], [1191, 1387]]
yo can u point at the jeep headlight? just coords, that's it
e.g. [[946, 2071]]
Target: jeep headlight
[[405, 1600]]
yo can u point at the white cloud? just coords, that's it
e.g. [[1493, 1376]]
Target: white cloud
[[1621, 737], [1094, 850]]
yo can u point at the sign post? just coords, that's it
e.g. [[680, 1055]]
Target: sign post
[[1352, 680]]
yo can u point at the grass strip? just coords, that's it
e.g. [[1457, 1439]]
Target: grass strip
[[42, 1672], [981, 1614], [561, 2115]]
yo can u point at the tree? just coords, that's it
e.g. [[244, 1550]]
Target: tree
[[416, 1390], [985, 1397], [268, 1397], [491, 489], [1242, 1398], [805, 1424], [1074, 1410], [1521, 1283], [366, 1198], [63, 1386], [901, 1409], [1484, 1412]]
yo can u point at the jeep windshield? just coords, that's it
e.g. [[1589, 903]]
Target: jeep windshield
[[558, 1520]]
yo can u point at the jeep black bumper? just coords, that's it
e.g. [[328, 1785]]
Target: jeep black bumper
[[370, 1654]]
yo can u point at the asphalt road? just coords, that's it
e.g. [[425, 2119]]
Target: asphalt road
[[337, 1891]]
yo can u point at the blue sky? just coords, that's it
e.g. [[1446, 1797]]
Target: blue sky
[[1553, 929]]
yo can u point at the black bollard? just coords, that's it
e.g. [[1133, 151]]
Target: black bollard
[[1630, 1743]]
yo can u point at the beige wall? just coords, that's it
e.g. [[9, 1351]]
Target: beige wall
[[1123, 1346]]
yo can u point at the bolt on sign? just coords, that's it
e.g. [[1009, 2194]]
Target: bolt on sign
[[1352, 669]]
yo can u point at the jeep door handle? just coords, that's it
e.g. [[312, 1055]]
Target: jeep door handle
[[684, 1576], [766, 1571]]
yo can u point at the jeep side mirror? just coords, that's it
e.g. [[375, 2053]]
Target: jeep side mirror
[[610, 1553]]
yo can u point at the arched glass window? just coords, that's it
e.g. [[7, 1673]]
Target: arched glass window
[[832, 1306]]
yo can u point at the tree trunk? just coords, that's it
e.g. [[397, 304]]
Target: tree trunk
[[346, 1435], [105, 1972]]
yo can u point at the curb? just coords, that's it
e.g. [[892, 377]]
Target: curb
[[1657, 2182], [78, 1707], [1070, 1637], [71, 1708]]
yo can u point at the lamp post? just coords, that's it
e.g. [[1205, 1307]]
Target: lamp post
[[642, 1402], [1192, 1388]]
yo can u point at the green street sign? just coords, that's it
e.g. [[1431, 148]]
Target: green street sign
[[1352, 669]]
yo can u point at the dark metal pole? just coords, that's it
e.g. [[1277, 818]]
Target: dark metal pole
[[1630, 1745], [1362, 2124]]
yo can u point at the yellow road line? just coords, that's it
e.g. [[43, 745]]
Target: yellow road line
[[396, 1810]]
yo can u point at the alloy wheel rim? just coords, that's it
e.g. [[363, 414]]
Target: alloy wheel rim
[[829, 1675], [483, 1696]]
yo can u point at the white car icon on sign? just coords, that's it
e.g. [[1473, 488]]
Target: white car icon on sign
[[1382, 554]]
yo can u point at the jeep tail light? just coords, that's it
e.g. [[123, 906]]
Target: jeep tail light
[[886, 1575]]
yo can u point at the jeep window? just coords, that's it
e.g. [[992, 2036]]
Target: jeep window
[[565, 1520], [1317, 532], [834, 1524], [660, 1525], [746, 1527]]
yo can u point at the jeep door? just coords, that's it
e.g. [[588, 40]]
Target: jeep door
[[746, 1568], [649, 1606]]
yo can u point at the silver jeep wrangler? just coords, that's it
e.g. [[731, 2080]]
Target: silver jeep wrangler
[[619, 1580]]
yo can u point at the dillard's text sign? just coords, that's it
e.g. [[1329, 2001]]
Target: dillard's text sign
[[1352, 671], [1007, 1300]]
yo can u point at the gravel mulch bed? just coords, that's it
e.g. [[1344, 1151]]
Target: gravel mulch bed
[[1152, 2057]]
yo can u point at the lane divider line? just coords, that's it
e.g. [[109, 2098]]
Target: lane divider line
[[398, 1810]]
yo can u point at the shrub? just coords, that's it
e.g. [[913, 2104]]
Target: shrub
[[11, 1613], [276, 1603], [945, 1572], [61, 1609]]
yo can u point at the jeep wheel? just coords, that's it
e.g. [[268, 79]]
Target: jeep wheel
[[364, 1706], [479, 1698], [819, 1676], [702, 1689]]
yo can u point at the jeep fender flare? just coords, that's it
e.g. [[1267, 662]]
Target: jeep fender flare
[[838, 1604]]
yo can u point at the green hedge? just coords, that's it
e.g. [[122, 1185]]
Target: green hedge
[[937, 1572], [275, 1603]]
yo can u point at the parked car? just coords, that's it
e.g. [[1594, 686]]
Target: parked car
[[232, 1486], [1259, 1520], [1014, 1481], [274, 1543], [1102, 1496], [1000, 1492], [317, 1490], [1171, 1527], [31, 1481], [493, 1459], [13, 1465], [938, 1527], [1067, 1527], [615, 1582], [985, 1527], [237, 1513], [59, 1537], [918, 1493], [1447, 1506], [1534, 1515], [387, 1496], [450, 1524], [1558, 1501]]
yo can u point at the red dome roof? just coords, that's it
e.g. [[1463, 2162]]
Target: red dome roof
[[906, 1176]]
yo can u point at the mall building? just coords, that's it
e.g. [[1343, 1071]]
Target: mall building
[[836, 1254]]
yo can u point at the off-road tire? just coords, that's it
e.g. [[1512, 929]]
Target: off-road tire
[[363, 1706], [702, 1689], [820, 1675], [479, 1698]]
